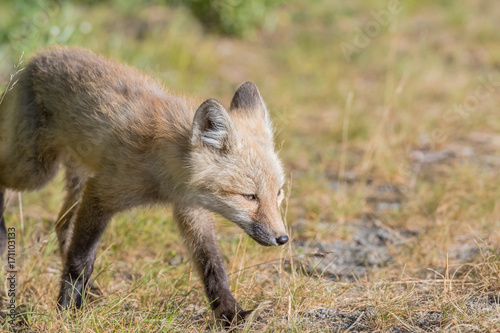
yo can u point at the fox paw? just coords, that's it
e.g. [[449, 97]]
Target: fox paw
[[231, 316]]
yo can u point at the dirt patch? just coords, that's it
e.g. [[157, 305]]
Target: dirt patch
[[486, 303], [429, 322], [332, 320], [371, 246]]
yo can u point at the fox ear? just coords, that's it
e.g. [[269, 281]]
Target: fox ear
[[212, 125], [247, 97], [248, 100]]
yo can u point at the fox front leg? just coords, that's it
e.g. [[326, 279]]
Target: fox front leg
[[198, 230]]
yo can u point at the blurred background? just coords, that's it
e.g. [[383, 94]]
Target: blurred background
[[387, 120]]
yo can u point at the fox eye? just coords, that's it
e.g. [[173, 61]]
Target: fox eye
[[280, 191], [250, 197]]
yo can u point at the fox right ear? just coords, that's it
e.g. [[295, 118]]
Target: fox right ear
[[247, 97], [212, 126]]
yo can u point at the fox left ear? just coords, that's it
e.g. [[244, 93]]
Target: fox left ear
[[212, 126]]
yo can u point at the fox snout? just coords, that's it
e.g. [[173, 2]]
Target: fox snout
[[282, 240], [266, 237]]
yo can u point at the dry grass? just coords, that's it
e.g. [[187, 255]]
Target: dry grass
[[394, 157]]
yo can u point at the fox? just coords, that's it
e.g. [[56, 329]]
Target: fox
[[124, 140]]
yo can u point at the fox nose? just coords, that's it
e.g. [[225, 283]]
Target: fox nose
[[282, 240]]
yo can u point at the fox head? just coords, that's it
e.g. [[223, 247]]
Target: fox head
[[235, 170]]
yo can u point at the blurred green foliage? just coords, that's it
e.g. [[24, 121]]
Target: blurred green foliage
[[234, 17], [228, 17], [28, 25]]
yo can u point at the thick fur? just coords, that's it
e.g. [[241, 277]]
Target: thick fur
[[125, 141]]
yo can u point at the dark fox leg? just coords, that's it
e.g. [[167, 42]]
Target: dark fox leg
[[198, 231], [3, 230], [91, 221], [66, 218]]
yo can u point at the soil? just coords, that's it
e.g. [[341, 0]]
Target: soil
[[371, 246]]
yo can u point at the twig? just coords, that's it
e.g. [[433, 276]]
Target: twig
[[13, 74]]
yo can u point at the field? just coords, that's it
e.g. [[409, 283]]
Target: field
[[388, 124]]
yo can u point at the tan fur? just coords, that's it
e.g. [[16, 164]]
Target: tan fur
[[125, 141]]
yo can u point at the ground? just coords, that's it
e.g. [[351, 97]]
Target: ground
[[386, 117]]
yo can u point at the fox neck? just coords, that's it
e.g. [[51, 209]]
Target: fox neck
[[169, 156]]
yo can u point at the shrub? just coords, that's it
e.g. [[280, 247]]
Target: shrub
[[233, 17]]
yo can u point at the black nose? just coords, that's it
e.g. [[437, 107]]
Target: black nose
[[282, 240]]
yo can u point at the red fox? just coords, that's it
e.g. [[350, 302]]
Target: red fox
[[125, 141]]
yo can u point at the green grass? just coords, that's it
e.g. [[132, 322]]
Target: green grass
[[433, 56]]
